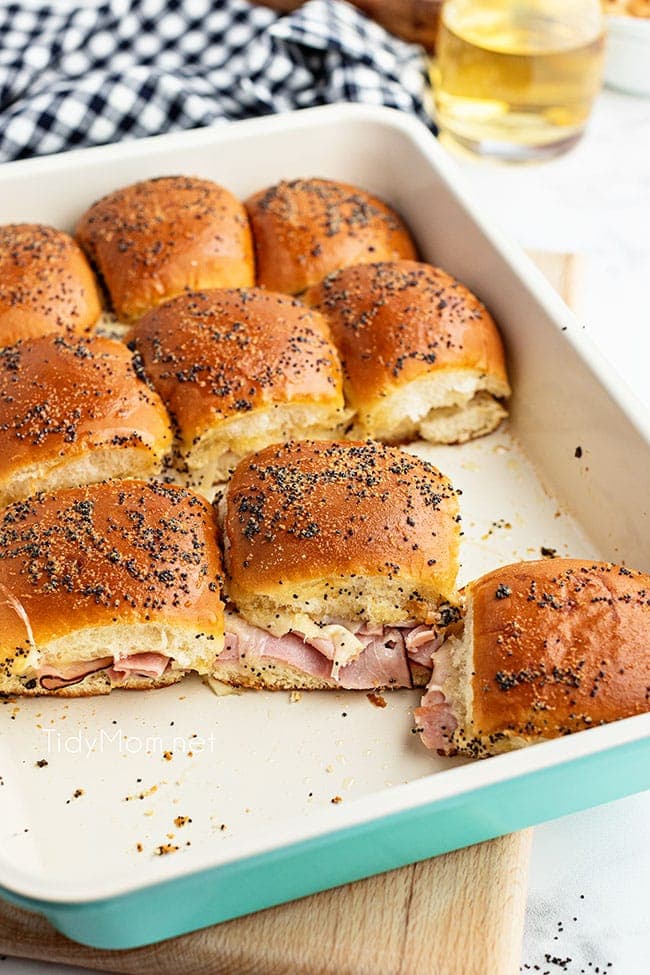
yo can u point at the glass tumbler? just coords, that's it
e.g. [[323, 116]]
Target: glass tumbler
[[516, 79]]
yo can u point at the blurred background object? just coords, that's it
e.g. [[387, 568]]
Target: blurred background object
[[412, 20], [627, 65], [516, 79]]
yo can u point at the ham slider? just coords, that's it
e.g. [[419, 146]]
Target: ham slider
[[46, 284], [113, 585], [306, 228], [74, 411], [154, 239], [421, 355], [238, 370], [547, 648], [341, 563]]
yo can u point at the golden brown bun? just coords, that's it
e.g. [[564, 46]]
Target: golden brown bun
[[113, 568], [74, 411], [239, 370], [46, 284], [345, 530], [306, 228], [417, 348], [155, 239], [550, 647]]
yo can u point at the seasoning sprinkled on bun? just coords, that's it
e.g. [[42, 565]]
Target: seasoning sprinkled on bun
[[548, 648], [155, 239], [46, 284], [421, 355], [306, 228]]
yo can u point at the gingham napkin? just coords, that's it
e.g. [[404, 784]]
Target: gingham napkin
[[87, 75]]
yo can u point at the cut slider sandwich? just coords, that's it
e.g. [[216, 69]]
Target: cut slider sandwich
[[112, 585], [238, 370], [341, 563], [421, 355], [547, 648]]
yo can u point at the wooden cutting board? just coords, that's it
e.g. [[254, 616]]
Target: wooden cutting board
[[412, 20], [458, 914]]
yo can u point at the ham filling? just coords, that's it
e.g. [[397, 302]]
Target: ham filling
[[382, 662], [150, 665], [435, 717]]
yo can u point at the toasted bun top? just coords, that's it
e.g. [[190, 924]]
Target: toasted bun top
[[559, 645], [306, 228], [395, 321], [119, 551], [62, 396], [313, 510], [216, 354], [154, 239], [46, 284]]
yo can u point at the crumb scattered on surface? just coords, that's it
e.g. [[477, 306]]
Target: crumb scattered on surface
[[376, 699], [141, 795], [336, 800], [168, 756], [165, 848], [75, 795], [182, 821], [139, 847], [294, 697], [41, 763]]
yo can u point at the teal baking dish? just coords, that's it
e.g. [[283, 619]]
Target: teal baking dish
[[85, 837]]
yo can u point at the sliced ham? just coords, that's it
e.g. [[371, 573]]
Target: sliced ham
[[435, 717], [421, 643], [249, 643], [143, 664], [53, 678], [150, 665], [381, 663], [436, 721]]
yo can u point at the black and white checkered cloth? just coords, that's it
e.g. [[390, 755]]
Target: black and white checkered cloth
[[88, 74]]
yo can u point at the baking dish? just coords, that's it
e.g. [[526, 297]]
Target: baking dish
[[133, 818]]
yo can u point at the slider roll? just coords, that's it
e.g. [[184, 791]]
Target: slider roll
[[306, 228], [238, 370], [421, 356], [341, 565], [548, 648], [113, 585], [75, 411], [155, 239], [46, 284]]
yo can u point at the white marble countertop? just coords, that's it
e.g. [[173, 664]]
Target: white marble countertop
[[590, 873], [593, 867]]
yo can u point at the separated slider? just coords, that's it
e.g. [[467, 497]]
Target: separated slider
[[547, 648]]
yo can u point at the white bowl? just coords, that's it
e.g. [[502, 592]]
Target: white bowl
[[627, 63]]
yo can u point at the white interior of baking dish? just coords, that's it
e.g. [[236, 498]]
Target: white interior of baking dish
[[257, 770]]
